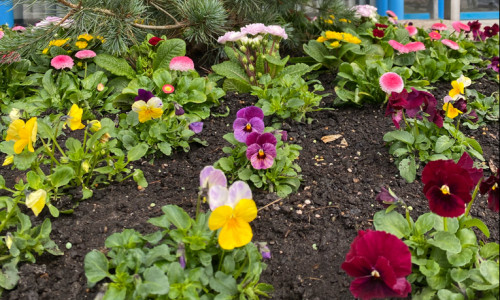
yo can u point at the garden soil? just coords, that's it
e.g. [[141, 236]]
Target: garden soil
[[309, 233]]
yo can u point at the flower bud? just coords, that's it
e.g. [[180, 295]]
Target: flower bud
[[36, 201], [85, 166], [252, 58], [64, 160], [264, 250], [95, 125], [179, 111], [259, 74], [243, 49], [8, 240], [105, 137], [244, 60], [14, 114], [100, 87], [251, 68], [8, 160], [386, 197], [252, 78]]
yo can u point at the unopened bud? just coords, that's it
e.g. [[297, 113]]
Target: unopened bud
[[8, 240], [14, 114], [95, 125], [64, 160], [8, 160], [243, 49], [85, 166], [252, 58], [100, 87], [251, 68], [244, 60]]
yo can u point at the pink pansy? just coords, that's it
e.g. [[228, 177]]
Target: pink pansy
[[398, 46], [61, 62], [276, 31], [391, 82], [181, 63], [415, 46], [261, 150], [450, 44], [439, 26], [434, 35], [412, 30], [230, 36], [1, 34], [254, 29], [458, 26], [83, 54], [18, 28]]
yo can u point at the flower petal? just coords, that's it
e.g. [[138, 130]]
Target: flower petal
[[246, 210], [267, 138], [217, 196], [237, 191], [219, 217], [236, 233]]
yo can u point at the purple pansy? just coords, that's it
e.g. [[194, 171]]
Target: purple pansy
[[196, 127], [179, 111], [248, 120], [261, 150], [144, 95]]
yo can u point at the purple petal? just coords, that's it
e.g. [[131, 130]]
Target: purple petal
[[259, 163], [144, 95], [252, 138], [217, 196], [257, 125], [239, 129], [252, 150], [269, 149], [267, 138], [196, 127], [250, 112], [237, 191], [210, 176]]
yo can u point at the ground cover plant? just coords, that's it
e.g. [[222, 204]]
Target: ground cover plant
[[278, 196]]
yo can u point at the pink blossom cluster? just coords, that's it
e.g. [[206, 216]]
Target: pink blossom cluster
[[366, 11], [253, 29]]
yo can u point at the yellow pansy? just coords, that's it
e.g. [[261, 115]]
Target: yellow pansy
[[95, 125], [148, 110], [458, 89], [465, 80], [8, 160], [85, 36], [23, 134], [236, 230], [451, 112], [81, 44], [36, 201], [74, 120]]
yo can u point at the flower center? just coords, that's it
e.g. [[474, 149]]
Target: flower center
[[248, 127], [261, 154], [375, 274], [494, 187], [445, 189]]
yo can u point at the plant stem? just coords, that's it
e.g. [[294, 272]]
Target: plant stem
[[474, 195], [445, 224], [50, 153], [221, 260], [408, 218], [198, 204]]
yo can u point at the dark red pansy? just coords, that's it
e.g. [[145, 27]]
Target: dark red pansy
[[380, 262], [378, 33], [447, 187], [154, 41], [490, 186]]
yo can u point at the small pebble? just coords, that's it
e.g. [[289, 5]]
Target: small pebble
[[298, 211], [317, 216], [307, 201]]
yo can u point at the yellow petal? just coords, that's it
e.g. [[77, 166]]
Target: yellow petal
[[8, 160], [20, 145], [36, 201], [245, 210], [219, 217], [236, 233], [13, 130]]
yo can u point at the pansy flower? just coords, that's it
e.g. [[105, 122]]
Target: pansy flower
[[211, 176], [149, 109], [143, 95], [232, 210], [451, 111], [261, 150], [36, 201], [447, 186], [457, 91], [395, 105], [24, 134], [386, 197], [491, 186], [74, 118], [491, 31], [495, 64], [248, 120], [196, 127], [380, 262]]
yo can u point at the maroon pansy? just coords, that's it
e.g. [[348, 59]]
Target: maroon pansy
[[378, 33], [248, 120], [143, 95], [426, 102], [495, 64], [154, 41], [490, 186], [378, 25], [380, 262], [447, 186], [395, 104], [261, 150], [466, 163], [491, 31]]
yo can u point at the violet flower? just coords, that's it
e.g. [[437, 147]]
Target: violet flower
[[264, 250], [211, 176], [143, 95], [261, 150], [179, 111], [387, 197], [248, 120], [495, 64], [181, 253], [196, 127]]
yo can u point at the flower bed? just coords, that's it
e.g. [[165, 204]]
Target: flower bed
[[314, 173]]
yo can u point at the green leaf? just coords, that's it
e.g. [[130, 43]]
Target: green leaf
[[166, 51], [115, 292], [155, 282], [449, 295], [9, 275], [2, 182], [489, 251], [391, 222], [399, 135], [296, 70], [234, 71], [137, 152], [140, 179], [224, 284], [407, 169], [446, 241], [177, 216], [62, 176], [459, 275], [489, 270], [316, 50], [479, 224], [460, 259], [115, 65], [48, 83], [425, 223], [96, 267], [244, 174], [431, 268], [226, 163], [443, 143], [24, 160]]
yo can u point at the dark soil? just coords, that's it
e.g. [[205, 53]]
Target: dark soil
[[309, 232]]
